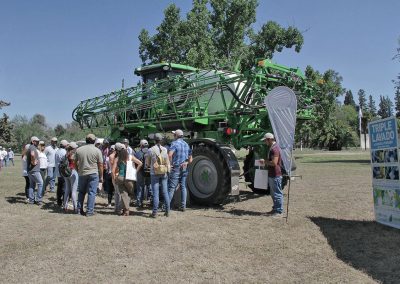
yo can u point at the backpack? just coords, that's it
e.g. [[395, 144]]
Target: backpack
[[159, 166], [145, 171], [63, 167]]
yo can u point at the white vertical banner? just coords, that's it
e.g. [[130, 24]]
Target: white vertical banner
[[383, 137], [281, 103]]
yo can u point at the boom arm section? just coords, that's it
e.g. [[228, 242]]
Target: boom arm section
[[198, 101]]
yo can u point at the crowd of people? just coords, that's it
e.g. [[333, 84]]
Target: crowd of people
[[6, 157], [97, 166]]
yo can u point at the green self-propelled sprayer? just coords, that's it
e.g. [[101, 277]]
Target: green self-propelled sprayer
[[218, 110]]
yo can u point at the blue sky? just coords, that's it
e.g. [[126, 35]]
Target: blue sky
[[53, 54]]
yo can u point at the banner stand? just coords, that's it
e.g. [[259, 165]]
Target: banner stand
[[385, 164]]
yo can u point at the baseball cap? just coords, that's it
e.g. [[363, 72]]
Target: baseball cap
[[41, 143], [72, 145], [112, 147], [64, 143], [119, 146], [125, 140], [97, 141], [27, 146], [268, 136], [34, 138], [158, 137], [144, 142], [91, 136], [178, 132], [54, 139], [105, 141]]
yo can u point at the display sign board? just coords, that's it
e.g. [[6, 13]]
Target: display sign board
[[385, 165]]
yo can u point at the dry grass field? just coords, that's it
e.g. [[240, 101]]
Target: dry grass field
[[330, 236]]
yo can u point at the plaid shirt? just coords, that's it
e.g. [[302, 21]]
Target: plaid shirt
[[181, 151]]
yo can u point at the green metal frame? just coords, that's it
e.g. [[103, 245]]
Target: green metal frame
[[179, 101]]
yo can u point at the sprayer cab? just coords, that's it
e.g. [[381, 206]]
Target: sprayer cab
[[154, 72]]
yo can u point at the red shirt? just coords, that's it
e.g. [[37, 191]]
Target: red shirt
[[274, 171], [71, 160]]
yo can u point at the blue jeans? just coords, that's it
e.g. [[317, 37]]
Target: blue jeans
[[51, 178], [87, 184], [141, 183], [35, 179], [178, 176], [275, 185], [71, 186], [156, 182]]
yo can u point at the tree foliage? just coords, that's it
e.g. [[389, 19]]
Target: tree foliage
[[336, 126], [348, 99], [385, 107], [7, 138], [215, 32], [371, 108], [362, 100]]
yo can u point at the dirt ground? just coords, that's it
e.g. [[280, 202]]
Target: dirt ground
[[330, 236]]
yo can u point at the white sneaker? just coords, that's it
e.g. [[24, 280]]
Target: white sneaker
[[277, 215]]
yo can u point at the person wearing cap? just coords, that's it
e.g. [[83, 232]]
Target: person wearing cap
[[60, 154], [128, 148], [97, 143], [50, 152], [274, 174], [142, 179], [158, 154], [33, 169], [4, 156], [11, 155], [125, 187], [43, 163], [180, 155], [89, 164], [71, 182]]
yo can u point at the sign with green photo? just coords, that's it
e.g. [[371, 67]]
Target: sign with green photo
[[385, 170]]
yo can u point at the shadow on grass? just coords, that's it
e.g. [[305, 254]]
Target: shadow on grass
[[15, 199], [51, 207], [362, 162], [365, 245], [239, 212]]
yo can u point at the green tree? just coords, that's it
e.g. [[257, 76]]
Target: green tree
[[397, 102], [329, 130], [25, 128], [362, 100], [59, 130], [371, 107], [348, 99], [385, 107], [7, 138], [215, 31]]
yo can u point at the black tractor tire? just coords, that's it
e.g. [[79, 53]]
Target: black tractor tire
[[209, 178], [249, 174]]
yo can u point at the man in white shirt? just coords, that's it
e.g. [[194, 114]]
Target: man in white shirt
[[128, 148], [11, 156], [1, 157], [50, 152]]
